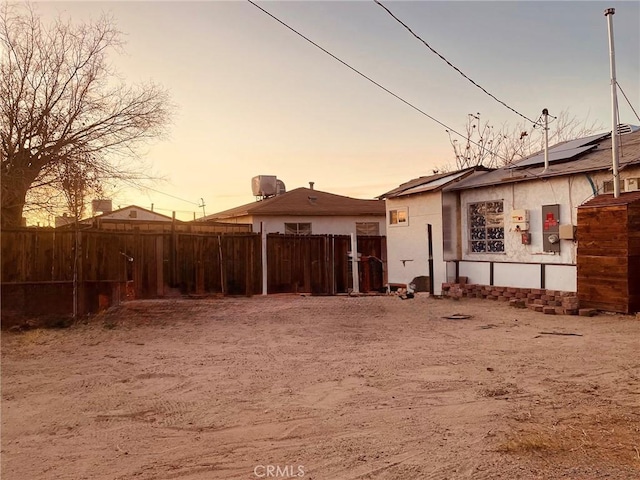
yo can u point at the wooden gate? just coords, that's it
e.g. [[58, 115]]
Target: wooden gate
[[321, 264]]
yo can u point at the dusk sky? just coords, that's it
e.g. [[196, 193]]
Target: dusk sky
[[253, 98]]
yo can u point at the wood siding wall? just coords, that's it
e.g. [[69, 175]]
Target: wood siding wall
[[609, 257]]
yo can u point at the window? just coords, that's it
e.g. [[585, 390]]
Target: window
[[607, 186], [297, 228], [367, 228], [486, 227], [399, 216]]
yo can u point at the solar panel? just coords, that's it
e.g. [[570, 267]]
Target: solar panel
[[563, 152]]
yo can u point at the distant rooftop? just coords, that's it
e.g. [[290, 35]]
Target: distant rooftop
[[305, 202]]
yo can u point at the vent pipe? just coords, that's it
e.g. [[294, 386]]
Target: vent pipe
[[609, 12], [311, 185]]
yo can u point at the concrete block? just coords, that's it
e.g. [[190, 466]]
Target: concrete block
[[517, 303]]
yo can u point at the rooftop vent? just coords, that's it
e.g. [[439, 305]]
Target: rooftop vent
[[623, 129]]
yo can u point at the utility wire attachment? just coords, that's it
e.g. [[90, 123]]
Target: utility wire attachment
[[449, 63], [627, 99], [406, 102]]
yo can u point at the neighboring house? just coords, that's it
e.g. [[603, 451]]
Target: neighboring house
[[415, 212], [134, 218], [130, 217], [516, 226], [305, 211]]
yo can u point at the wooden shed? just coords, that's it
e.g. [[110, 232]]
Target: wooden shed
[[609, 253]]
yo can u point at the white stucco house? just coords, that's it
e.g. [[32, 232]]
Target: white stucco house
[[514, 226], [416, 237], [517, 225], [306, 211]]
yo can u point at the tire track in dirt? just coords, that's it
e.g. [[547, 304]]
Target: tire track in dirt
[[367, 387]]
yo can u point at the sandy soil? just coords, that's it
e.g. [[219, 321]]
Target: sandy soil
[[323, 388]]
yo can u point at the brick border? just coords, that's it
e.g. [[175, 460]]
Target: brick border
[[542, 300]]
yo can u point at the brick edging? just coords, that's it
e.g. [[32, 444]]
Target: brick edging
[[537, 299]]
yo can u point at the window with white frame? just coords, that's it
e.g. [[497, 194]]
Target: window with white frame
[[368, 228], [297, 228], [607, 186], [486, 227], [399, 216]]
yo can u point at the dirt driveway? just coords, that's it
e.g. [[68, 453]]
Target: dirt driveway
[[323, 388]]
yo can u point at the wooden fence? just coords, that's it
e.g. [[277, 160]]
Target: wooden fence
[[57, 270], [321, 264]]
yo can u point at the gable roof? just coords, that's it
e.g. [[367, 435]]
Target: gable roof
[[596, 158], [112, 215], [304, 202], [432, 182]]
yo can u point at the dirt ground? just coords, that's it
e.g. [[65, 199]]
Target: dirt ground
[[323, 388]]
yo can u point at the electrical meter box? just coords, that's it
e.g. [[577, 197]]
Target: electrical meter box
[[567, 232], [519, 220]]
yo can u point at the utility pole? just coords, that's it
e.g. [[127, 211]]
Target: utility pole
[[202, 206], [609, 12]]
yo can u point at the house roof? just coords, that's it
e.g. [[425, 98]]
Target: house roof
[[431, 183], [597, 157], [304, 202], [107, 215]]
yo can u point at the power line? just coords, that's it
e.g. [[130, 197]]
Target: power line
[[625, 97], [451, 64], [406, 102], [133, 184]]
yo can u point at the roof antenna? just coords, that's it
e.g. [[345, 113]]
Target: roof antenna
[[545, 114]]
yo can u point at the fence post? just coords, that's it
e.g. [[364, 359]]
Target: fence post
[[159, 265], [173, 260], [264, 260], [354, 263], [223, 276]]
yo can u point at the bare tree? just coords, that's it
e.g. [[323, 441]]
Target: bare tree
[[66, 122], [484, 145], [481, 146]]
